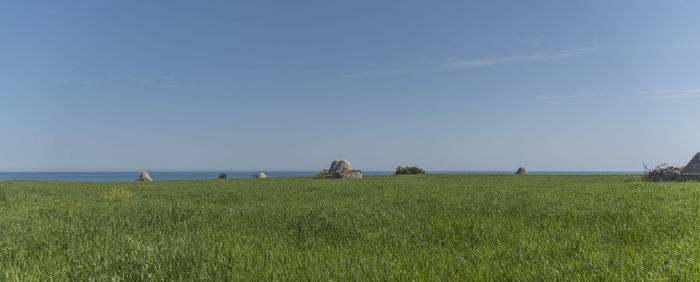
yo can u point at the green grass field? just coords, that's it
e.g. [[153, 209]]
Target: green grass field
[[433, 227]]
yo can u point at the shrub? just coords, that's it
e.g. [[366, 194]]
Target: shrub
[[2, 193], [634, 179], [117, 193], [409, 170], [322, 175]]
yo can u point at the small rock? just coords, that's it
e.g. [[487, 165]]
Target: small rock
[[260, 175], [144, 177], [521, 171]]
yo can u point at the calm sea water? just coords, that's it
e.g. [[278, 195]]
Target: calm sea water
[[184, 175]]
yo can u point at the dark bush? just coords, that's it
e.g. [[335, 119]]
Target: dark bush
[[222, 176], [409, 170]]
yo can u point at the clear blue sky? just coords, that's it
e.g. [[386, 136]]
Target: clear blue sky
[[293, 85]]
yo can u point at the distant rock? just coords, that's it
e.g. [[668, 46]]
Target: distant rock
[[690, 172], [260, 175], [341, 169], [521, 171], [144, 177], [663, 174], [343, 165], [334, 165], [693, 167], [222, 176]]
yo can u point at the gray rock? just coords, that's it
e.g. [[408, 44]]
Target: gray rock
[[663, 174], [353, 174], [343, 169], [260, 175], [343, 165], [334, 165], [144, 177], [693, 166], [690, 172], [521, 171]]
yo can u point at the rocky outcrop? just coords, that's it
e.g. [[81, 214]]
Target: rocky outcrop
[[144, 177], [663, 174], [521, 171], [342, 166], [334, 164], [690, 172], [222, 176], [341, 169], [260, 175], [693, 166]]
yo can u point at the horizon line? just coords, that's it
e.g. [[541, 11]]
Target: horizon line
[[288, 170]]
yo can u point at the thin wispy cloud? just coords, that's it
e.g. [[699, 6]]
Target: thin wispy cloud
[[531, 42], [452, 64], [669, 93], [386, 73], [169, 81], [570, 96], [177, 85], [547, 56], [651, 94], [688, 46]]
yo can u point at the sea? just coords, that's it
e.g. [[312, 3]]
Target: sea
[[110, 176]]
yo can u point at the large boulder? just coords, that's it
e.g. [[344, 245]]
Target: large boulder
[[521, 171], [222, 176], [144, 177], [260, 175], [342, 169]]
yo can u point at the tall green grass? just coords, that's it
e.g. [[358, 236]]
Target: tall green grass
[[432, 227]]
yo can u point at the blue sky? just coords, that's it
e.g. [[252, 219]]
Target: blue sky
[[293, 85]]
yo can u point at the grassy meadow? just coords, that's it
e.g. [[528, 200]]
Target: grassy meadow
[[431, 227]]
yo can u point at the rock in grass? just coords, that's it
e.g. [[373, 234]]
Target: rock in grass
[[342, 169], [521, 171], [144, 177], [334, 165], [690, 172], [343, 165], [693, 166], [222, 176], [663, 174], [260, 175]]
